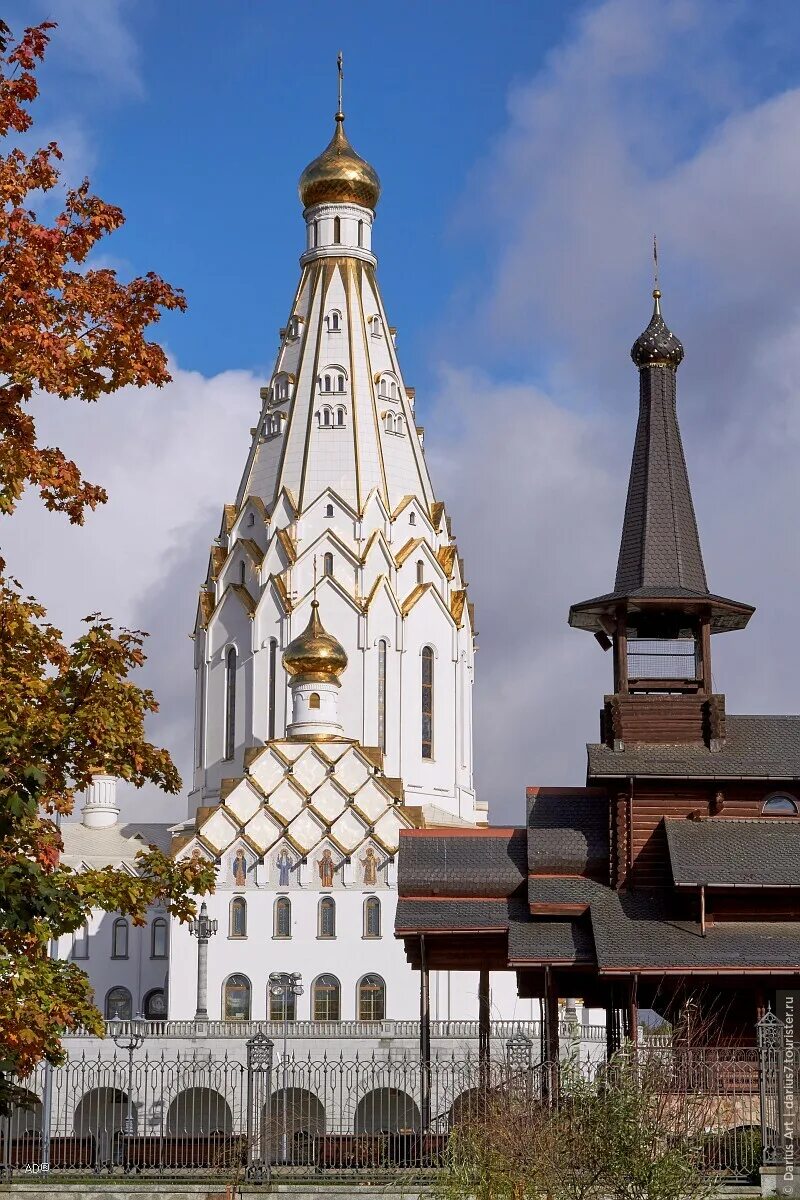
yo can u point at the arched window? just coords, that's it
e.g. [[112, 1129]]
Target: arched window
[[251, 519], [155, 1005], [383, 389], [393, 389], [340, 383], [273, 666], [118, 1004], [328, 510], [158, 938], [412, 518], [420, 571], [326, 383], [400, 426], [119, 938], [326, 918], [327, 564], [282, 917], [316, 234], [334, 321], [242, 573], [230, 703], [371, 998], [780, 805], [375, 326], [361, 233], [340, 416], [389, 422], [382, 694], [237, 918], [236, 998], [372, 917], [326, 416], [313, 700], [337, 230], [427, 702], [283, 1005], [80, 941], [326, 999]]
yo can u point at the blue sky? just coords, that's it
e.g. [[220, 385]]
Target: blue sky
[[528, 152], [206, 134]]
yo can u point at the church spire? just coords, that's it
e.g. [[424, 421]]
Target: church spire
[[660, 561]]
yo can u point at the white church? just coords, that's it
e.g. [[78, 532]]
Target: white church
[[334, 667]]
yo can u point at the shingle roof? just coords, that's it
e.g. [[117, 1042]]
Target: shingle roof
[[635, 931], [568, 831], [451, 915], [115, 843], [547, 941], [462, 866], [763, 852], [562, 890], [754, 747]]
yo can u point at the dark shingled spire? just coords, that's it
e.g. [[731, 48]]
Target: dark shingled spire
[[659, 554], [660, 547]]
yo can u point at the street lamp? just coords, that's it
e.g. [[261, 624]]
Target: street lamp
[[203, 928], [129, 1041], [285, 984]]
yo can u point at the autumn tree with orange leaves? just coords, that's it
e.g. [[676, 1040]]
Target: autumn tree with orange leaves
[[73, 332]]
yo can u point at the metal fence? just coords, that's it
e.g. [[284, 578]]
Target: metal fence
[[264, 1114]]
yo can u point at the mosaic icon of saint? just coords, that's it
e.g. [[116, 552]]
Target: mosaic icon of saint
[[240, 868], [370, 865], [284, 864], [326, 868]]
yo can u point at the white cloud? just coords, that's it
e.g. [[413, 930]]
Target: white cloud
[[93, 41], [169, 459], [536, 487]]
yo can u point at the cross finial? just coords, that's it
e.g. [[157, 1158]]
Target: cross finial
[[655, 263], [340, 65], [315, 576]]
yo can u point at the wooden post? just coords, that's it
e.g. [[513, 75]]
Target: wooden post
[[632, 1016], [551, 1016], [484, 1026], [705, 653], [424, 1036], [621, 654]]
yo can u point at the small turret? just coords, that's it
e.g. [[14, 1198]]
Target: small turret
[[100, 809], [314, 661]]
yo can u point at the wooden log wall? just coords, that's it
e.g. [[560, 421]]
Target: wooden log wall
[[653, 800]]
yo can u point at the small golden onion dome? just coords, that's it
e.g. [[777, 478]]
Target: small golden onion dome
[[314, 653], [339, 175]]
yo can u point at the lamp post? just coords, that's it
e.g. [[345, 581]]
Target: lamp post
[[202, 927], [130, 1041], [285, 984]]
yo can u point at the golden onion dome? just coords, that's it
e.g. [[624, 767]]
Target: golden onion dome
[[314, 653], [339, 175]]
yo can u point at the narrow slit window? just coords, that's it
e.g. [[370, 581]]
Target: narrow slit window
[[273, 666], [427, 702], [230, 703], [382, 694]]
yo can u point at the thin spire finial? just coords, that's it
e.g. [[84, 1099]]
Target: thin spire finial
[[655, 263], [314, 597], [340, 66], [656, 289]]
